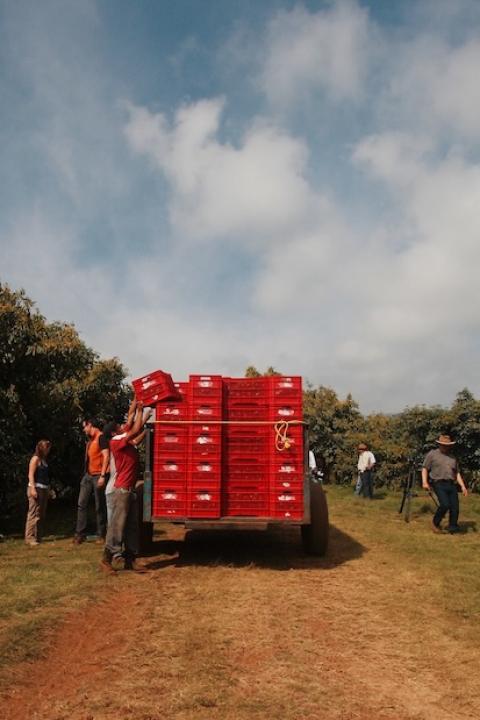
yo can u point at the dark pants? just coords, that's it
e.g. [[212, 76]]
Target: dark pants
[[366, 487], [88, 485], [123, 525], [446, 492]]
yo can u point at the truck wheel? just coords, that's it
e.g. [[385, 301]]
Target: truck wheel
[[315, 535]]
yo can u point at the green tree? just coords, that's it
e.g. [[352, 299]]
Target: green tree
[[335, 427], [49, 380]]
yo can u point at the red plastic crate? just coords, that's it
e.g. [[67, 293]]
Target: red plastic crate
[[172, 411], [248, 412], [286, 388], [287, 474], [206, 442], [169, 502], [205, 386], [182, 389], [170, 439], [234, 432], [285, 411], [247, 388], [255, 446], [246, 437], [155, 387], [204, 504], [250, 504], [246, 403], [292, 484], [204, 471], [286, 441], [168, 470], [206, 410], [234, 456], [258, 473], [288, 505], [287, 499]]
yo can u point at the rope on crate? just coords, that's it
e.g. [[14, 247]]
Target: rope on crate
[[224, 422], [282, 441]]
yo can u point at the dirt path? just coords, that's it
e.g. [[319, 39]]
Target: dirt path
[[243, 626]]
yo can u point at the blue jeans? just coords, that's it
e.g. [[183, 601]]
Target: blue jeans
[[88, 484], [366, 478], [446, 492]]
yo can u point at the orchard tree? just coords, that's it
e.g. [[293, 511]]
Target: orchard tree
[[49, 380]]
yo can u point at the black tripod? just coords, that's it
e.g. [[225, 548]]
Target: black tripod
[[408, 493]]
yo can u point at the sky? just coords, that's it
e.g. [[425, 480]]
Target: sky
[[204, 185]]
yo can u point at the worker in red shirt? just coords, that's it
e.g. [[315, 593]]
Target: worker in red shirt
[[123, 525]]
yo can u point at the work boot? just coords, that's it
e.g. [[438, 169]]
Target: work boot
[[106, 563], [132, 564], [453, 529]]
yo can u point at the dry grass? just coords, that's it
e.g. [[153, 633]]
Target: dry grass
[[245, 627]]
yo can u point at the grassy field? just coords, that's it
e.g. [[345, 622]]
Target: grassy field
[[40, 586], [238, 626]]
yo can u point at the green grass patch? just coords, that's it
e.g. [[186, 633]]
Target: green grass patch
[[443, 568], [39, 585]]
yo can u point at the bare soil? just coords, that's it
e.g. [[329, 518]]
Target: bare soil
[[243, 625]]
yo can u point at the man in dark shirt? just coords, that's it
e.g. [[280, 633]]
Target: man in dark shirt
[[441, 473]]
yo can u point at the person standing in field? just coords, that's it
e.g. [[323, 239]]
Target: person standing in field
[[37, 493], [122, 532], [97, 461], [440, 473], [365, 465], [107, 431]]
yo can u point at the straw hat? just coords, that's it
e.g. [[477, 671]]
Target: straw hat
[[445, 440]]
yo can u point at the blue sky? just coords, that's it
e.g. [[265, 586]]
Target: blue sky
[[204, 185]]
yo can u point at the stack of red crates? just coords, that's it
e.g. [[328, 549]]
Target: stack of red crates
[[286, 447], [246, 460], [233, 452], [204, 477], [170, 456]]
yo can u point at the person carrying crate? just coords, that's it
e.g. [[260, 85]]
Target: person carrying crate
[[122, 531]]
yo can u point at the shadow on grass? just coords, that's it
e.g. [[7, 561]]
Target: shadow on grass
[[468, 526], [276, 548]]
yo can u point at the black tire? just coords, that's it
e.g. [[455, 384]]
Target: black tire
[[315, 535]]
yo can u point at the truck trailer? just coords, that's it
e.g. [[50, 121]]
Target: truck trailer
[[231, 453]]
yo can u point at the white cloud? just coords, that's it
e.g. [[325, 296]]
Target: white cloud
[[307, 52], [436, 84], [254, 191], [382, 303]]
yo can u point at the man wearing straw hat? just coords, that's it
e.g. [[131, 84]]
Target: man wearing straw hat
[[366, 462], [440, 472]]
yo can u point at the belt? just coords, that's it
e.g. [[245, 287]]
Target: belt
[[41, 485]]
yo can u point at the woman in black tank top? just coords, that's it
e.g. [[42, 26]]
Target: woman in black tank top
[[37, 493]]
